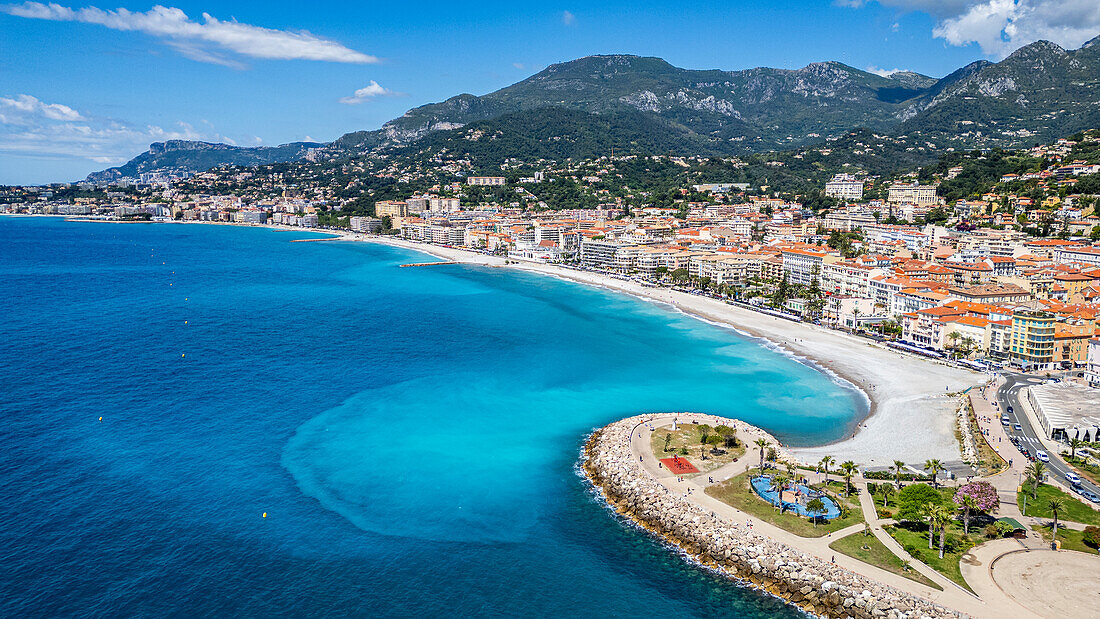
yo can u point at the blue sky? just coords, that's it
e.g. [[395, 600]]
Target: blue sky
[[86, 86]]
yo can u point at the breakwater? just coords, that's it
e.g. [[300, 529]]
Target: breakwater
[[815, 585]]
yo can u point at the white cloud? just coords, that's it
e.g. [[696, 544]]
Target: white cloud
[[568, 18], [519, 65], [194, 39], [32, 128], [884, 72], [1000, 27], [368, 92], [31, 105]]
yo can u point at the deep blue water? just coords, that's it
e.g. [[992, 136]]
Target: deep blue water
[[410, 433]]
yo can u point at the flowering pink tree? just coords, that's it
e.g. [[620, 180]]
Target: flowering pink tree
[[978, 496]]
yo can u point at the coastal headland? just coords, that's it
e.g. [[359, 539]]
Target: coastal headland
[[814, 584]]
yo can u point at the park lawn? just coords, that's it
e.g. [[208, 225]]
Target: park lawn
[[916, 544], [1071, 539], [878, 555], [1075, 511], [891, 508], [688, 435], [737, 493]]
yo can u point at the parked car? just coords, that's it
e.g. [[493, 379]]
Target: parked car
[[1091, 496]]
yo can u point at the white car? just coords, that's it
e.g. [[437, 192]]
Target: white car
[[1073, 478], [1042, 456]]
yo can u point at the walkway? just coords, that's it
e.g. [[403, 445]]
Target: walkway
[[693, 488]]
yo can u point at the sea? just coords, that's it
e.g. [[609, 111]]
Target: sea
[[204, 420]]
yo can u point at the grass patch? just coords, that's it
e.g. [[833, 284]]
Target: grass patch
[[989, 461], [737, 493], [878, 555], [1075, 511], [914, 539], [1071, 539], [688, 436]]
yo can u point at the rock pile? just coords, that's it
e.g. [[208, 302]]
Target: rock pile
[[814, 585]]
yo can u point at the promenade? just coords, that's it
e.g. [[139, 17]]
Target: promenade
[[990, 597]]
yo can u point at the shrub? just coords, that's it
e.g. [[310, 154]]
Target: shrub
[[872, 488], [1004, 528], [1091, 536], [913, 497], [991, 531], [683, 451]]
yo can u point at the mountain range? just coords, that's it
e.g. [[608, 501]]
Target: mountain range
[[589, 105]]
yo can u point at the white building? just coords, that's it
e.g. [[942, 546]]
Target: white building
[[485, 180], [903, 193], [845, 187], [1092, 368]]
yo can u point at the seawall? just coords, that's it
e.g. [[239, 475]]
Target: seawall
[[814, 585]]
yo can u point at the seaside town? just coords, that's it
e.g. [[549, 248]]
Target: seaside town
[[995, 293]]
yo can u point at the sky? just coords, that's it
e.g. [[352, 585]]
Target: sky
[[87, 86]]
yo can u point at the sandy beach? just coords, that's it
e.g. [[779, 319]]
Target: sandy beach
[[912, 417]]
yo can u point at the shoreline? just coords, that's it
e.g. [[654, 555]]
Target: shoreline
[[704, 535], [902, 392]]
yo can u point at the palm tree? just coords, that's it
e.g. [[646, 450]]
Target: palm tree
[[1074, 445], [943, 515], [1056, 506], [886, 490], [1035, 472], [968, 504], [953, 336], [898, 466], [824, 464], [935, 466], [848, 469], [780, 482], [762, 443], [926, 513], [968, 345], [815, 507]]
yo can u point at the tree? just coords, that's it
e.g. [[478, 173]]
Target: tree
[[848, 469], [780, 482], [824, 464], [935, 466], [953, 336], [1074, 445], [1056, 506], [815, 507], [668, 441], [942, 516], [1091, 536], [928, 514], [914, 497], [762, 444], [898, 467], [1035, 472], [886, 490], [973, 497]]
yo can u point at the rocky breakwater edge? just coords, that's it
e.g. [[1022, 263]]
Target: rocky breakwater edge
[[814, 585]]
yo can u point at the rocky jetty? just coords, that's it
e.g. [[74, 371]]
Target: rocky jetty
[[816, 586]]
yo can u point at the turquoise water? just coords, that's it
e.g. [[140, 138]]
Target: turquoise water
[[410, 433]]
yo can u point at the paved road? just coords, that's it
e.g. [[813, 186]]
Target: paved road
[[1028, 435]]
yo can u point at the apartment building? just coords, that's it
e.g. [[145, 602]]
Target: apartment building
[[802, 266], [845, 187], [486, 181], [1032, 341], [903, 193]]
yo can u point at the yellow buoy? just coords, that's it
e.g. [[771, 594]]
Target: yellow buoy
[[183, 355], [101, 418], [185, 322], [265, 514]]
